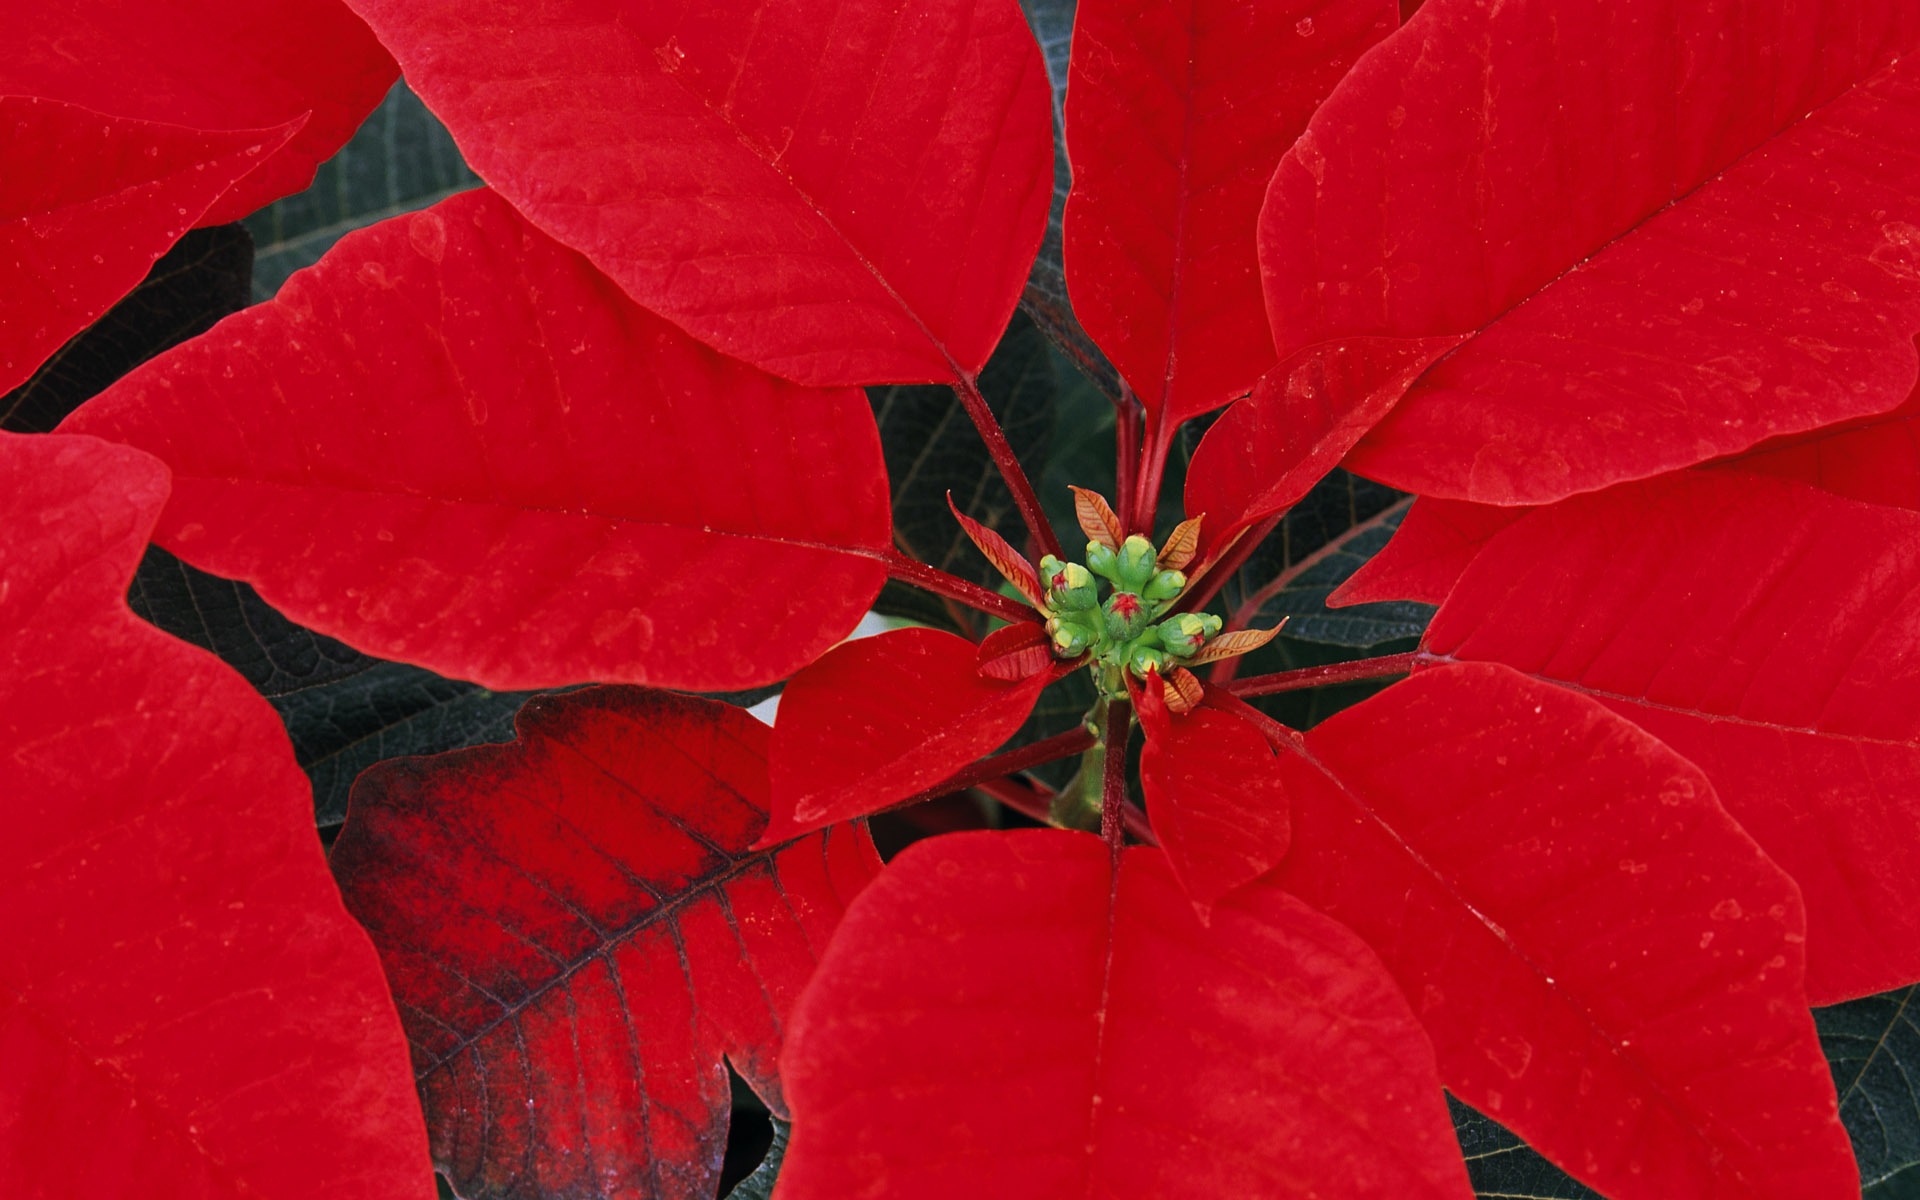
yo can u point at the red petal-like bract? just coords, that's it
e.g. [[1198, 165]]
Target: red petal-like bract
[[879, 719], [1677, 228], [838, 191], [1269, 450], [999, 1016], [1876, 460], [1216, 794], [1766, 631], [1176, 115], [88, 202], [1605, 962], [206, 64], [455, 443], [185, 1008], [577, 931], [1428, 553]]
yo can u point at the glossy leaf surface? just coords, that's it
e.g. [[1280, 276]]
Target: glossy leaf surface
[[523, 479], [1607, 964], [209, 65], [838, 191], [87, 204], [1876, 460], [1176, 116], [577, 932], [1734, 251], [1216, 794], [1765, 630], [185, 1008], [878, 719], [1081, 1035]]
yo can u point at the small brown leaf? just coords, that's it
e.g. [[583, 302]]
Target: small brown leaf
[[1097, 518], [1240, 641], [1005, 559], [1184, 690], [1182, 544]]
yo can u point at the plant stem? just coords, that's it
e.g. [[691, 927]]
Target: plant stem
[[1153, 467], [1214, 575], [1126, 457], [1113, 791], [968, 390], [934, 580], [1346, 672]]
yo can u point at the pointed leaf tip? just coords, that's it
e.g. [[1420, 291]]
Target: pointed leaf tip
[[1097, 518], [1240, 641], [1012, 565], [1182, 545]]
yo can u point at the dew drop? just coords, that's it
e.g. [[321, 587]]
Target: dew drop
[[1304, 27]]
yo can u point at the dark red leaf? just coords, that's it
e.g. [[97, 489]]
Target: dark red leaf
[[1428, 553], [207, 64], [1766, 631], [1015, 652], [1176, 116], [879, 719], [1659, 260], [453, 442], [89, 202], [185, 1008], [1216, 794], [838, 191], [1606, 963], [577, 931], [1269, 450], [1000, 1017]]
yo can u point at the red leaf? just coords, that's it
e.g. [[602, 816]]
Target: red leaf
[[1176, 116], [479, 457], [1097, 518], [1606, 963], [1269, 450], [577, 931], [1876, 460], [185, 1009], [208, 65], [1015, 652], [838, 191], [1012, 565], [1724, 262], [999, 1016], [1764, 630], [1217, 797], [89, 202], [879, 719], [1428, 553]]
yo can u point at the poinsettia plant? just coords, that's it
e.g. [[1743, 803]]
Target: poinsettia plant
[[1625, 294]]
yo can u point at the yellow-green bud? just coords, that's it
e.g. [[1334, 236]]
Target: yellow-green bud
[[1145, 659], [1165, 586], [1127, 616], [1137, 561], [1069, 586], [1184, 633], [1101, 560]]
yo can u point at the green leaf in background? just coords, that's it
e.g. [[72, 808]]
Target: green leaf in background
[[759, 1185], [402, 159], [1873, 1045], [932, 448], [202, 279], [1297, 583], [344, 710], [1502, 1167], [1045, 298]]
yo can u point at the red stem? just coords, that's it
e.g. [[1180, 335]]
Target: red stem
[[1126, 455], [1214, 575], [1036, 801], [1153, 469], [968, 389], [996, 766], [1113, 783], [1346, 672], [934, 580]]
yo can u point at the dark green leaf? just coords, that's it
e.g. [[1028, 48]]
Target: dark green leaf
[[402, 159], [759, 1185], [202, 279], [1873, 1045], [1502, 1167], [932, 448], [1045, 298]]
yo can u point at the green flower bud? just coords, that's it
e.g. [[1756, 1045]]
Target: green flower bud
[[1137, 563], [1145, 659], [1127, 617], [1165, 586], [1069, 586], [1070, 638], [1102, 561], [1183, 634]]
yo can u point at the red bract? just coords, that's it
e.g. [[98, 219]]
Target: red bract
[[1585, 276], [577, 931], [185, 1008]]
